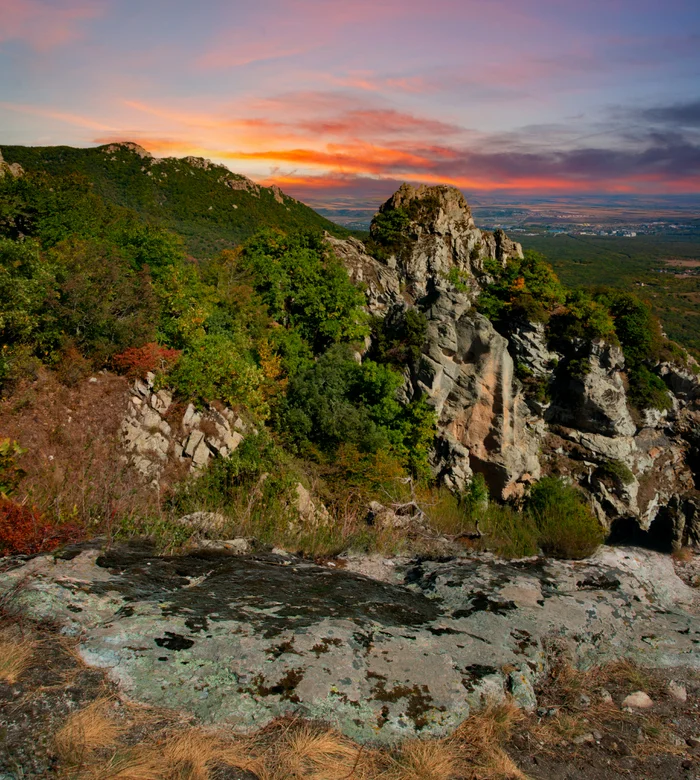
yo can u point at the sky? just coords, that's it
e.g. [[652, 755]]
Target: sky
[[341, 101]]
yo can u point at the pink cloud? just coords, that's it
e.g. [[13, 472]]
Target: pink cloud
[[41, 25]]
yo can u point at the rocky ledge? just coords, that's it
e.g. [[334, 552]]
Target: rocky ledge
[[411, 650]]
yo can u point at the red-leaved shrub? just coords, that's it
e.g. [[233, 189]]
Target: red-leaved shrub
[[138, 361], [23, 531]]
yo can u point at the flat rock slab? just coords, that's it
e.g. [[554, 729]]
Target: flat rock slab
[[243, 639]]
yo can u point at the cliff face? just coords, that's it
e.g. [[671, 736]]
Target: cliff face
[[639, 468], [466, 371]]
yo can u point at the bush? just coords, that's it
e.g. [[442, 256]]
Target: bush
[[509, 533], [305, 288], [617, 471], [339, 401], [398, 338], [566, 527], [647, 390], [138, 361], [10, 472], [23, 531], [220, 367]]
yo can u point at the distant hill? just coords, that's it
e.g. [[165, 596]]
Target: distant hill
[[211, 207]]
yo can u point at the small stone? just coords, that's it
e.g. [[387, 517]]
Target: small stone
[[93, 380], [584, 701], [598, 735], [606, 696], [693, 742], [638, 700], [677, 691], [584, 739]]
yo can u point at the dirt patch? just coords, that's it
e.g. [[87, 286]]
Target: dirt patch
[[680, 262]]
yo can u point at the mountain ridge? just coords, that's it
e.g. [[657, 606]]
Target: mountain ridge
[[208, 204]]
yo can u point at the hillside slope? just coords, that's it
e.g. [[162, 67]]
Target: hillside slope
[[211, 207]]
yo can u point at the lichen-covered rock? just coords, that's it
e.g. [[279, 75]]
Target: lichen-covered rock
[[242, 639]]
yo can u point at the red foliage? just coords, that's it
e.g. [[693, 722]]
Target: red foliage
[[23, 531], [138, 361]]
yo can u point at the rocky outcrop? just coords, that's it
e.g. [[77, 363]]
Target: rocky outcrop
[[466, 372], [440, 236], [9, 169], [595, 402], [509, 406], [153, 436], [379, 281], [242, 639]]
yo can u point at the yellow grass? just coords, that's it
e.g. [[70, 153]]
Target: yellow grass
[[15, 657], [424, 760], [319, 755], [87, 730]]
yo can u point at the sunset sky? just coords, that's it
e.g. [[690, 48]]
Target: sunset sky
[[329, 98]]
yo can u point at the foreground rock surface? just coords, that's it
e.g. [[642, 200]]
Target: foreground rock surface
[[243, 639]]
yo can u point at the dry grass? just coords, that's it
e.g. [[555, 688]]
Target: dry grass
[[88, 730], [16, 655], [316, 754], [684, 554], [426, 760]]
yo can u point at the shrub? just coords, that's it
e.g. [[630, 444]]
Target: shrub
[[339, 401], [399, 337], [647, 390], [526, 287], [10, 472], [23, 531], [138, 361], [220, 367], [507, 532], [617, 471], [566, 527], [305, 288]]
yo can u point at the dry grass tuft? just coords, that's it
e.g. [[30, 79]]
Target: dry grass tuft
[[683, 555], [15, 656], [426, 760], [484, 732], [90, 729], [318, 754]]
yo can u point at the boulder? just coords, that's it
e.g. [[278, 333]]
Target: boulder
[[596, 402], [243, 639], [206, 524]]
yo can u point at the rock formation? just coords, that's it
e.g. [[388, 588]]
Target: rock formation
[[466, 371], [639, 471], [13, 169], [243, 639], [191, 438]]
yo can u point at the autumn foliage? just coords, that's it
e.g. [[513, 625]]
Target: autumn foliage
[[138, 361], [23, 531]]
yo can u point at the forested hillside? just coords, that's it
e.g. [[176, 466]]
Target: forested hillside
[[210, 207]]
